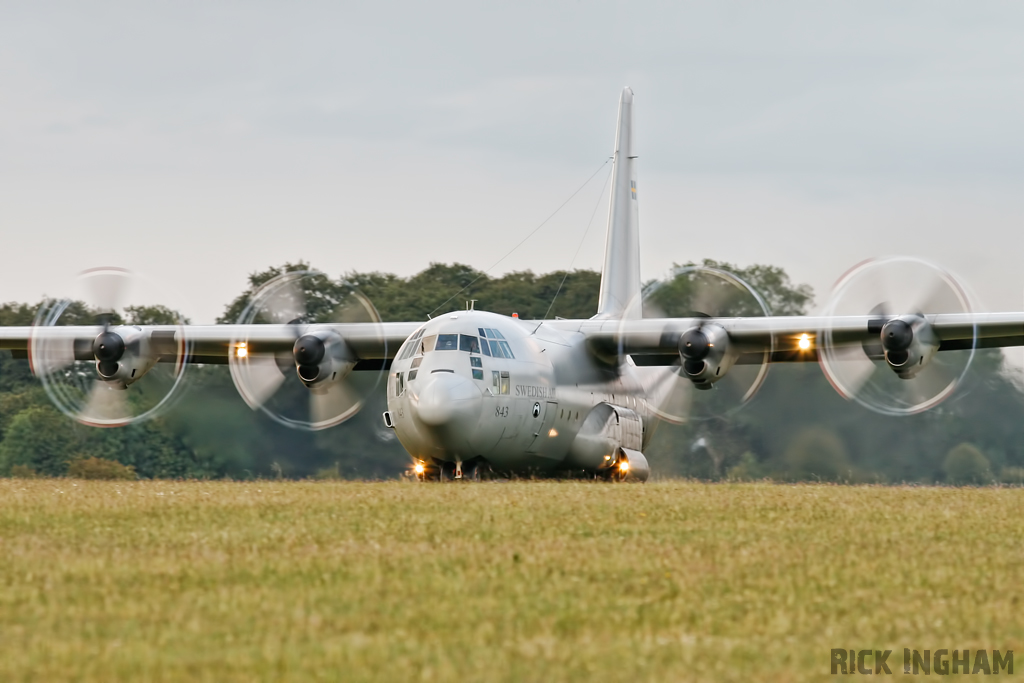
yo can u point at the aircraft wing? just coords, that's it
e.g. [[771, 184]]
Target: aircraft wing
[[373, 344], [655, 341]]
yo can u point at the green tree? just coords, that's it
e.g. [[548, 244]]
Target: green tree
[[40, 438], [153, 315], [817, 454], [965, 465], [210, 432]]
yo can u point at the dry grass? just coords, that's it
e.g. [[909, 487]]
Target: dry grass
[[497, 581]]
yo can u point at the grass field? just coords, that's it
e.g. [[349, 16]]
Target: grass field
[[534, 581]]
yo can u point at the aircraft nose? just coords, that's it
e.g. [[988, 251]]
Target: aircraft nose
[[446, 399]]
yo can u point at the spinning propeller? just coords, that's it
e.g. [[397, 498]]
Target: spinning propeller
[[712, 377], [303, 304], [898, 372], [94, 377]]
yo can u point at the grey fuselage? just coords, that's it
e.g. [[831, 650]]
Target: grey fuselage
[[554, 406]]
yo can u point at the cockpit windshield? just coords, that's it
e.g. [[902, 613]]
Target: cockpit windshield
[[447, 342], [489, 343]]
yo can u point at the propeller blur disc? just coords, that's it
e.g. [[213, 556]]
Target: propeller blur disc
[[144, 370], [885, 288], [264, 371], [694, 294]]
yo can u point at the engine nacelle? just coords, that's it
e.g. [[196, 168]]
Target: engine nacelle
[[322, 356], [631, 465], [706, 354], [609, 443], [123, 355], [909, 342]]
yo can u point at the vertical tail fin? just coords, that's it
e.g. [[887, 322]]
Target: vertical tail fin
[[620, 278]]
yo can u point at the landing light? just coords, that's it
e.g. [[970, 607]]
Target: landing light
[[419, 468], [241, 351], [553, 433], [624, 466], [805, 342]]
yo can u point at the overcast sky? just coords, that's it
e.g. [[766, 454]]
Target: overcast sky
[[198, 142]]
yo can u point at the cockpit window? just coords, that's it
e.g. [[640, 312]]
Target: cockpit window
[[428, 343], [500, 349], [411, 345], [469, 343], [447, 342], [485, 347]]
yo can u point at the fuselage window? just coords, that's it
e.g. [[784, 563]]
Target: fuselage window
[[469, 343], [476, 361], [506, 349], [428, 343], [447, 342], [485, 347], [506, 383]]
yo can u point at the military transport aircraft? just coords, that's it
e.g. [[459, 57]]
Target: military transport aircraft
[[472, 391]]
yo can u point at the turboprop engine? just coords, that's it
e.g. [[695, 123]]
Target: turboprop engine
[[323, 360], [123, 355], [322, 356], [89, 372], [707, 357], [900, 295], [705, 354], [909, 344]]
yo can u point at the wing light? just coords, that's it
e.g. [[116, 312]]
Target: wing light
[[804, 342], [241, 351]]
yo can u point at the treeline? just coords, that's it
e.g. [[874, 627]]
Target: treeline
[[797, 427]]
